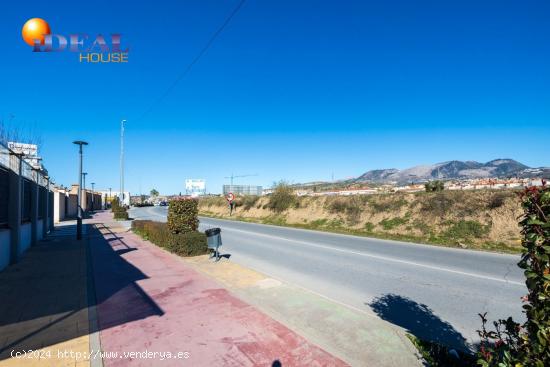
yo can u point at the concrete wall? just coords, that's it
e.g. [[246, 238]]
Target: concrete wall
[[72, 207], [26, 237], [39, 229], [5, 241], [59, 199]]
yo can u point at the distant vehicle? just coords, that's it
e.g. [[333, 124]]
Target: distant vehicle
[[163, 203]]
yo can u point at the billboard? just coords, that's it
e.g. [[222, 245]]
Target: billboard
[[30, 150], [195, 187]]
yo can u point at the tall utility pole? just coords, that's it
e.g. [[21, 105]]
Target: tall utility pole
[[80, 143], [122, 161]]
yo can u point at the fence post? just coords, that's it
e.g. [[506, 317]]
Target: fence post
[[14, 213]]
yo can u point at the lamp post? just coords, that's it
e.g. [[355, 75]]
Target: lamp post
[[93, 194], [122, 161], [80, 143]]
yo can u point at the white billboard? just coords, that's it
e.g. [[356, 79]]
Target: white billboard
[[195, 187], [30, 150]]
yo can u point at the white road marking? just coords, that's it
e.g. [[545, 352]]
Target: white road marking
[[379, 257]]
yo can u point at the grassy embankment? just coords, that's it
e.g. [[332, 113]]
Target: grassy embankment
[[484, 220]]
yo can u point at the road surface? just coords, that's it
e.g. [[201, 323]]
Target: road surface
[[436, 293]]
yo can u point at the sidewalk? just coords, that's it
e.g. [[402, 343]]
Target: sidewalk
[[148, 301], [44, 305]]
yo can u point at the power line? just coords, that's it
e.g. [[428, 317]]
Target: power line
[[196, 59]]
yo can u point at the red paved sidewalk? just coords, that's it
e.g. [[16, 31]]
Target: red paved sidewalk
[[150, 301]]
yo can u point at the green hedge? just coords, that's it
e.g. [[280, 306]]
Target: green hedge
[[121, 214], [183, 215], [183, 244]]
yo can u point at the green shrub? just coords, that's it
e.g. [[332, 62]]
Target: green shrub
[[466, 229], [512, 344], [434, 186], [121, 214], [183, 215], [183, 244], [282, 198]]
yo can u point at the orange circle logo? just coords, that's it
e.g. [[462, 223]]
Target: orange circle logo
[[35, 29]]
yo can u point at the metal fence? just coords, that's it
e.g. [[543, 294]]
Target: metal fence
[[9, 161], [4, 196]]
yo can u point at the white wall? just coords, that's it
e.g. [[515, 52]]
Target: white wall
[[25, 238], [5, 237], [58, 206]]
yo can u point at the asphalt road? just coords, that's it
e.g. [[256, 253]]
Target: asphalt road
[[436, 293]]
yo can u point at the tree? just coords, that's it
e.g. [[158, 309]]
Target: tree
[[154, 192], [434, 186]]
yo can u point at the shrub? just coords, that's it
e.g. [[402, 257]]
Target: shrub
[[434, 186], [248, 201], [512, 344], [466, 229], [183, 215], [352, 207], [183, 244], [497, 200], [282, 198], [121, 214]]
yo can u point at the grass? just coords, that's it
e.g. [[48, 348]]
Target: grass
[[337, 226]]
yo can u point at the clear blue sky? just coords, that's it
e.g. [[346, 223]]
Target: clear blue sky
[[294, 90]]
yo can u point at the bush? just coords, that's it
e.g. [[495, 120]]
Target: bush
[[497, 200], [282, 198], [183, 215], [512, 344], [434, 186], [121, 214], [352, 207], [183, 244], [466, 229]]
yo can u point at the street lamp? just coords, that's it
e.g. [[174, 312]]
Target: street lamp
[[122, 161], [93, 194], [80, 143]]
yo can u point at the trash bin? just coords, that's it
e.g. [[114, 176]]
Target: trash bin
[[214, 241]]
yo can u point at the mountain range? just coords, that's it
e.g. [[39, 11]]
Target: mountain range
[[497, 168]]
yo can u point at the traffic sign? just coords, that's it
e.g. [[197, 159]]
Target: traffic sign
[[230, 197]]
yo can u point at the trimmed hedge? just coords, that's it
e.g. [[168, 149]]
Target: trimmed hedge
[[182, 244], [183, 215], [121, 214]]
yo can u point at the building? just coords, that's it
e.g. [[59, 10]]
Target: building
[[242, 189], [109, 195]]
